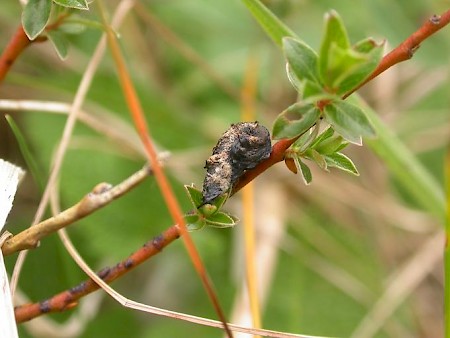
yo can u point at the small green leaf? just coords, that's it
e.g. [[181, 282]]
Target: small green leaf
[[293, 79], [194, 222], [304, 141], [195, 195], [35, 17], [301, 59], [221, 220], [220, 201], [335, 34], [367, 45], [349, 121], [295, 120], [59, 42], [326, 134], [319, 159], [77, 4], [75, 24], [304, 170], [341, 63], [356, 74], [208, 209], [313, 92], [342, 162], [331, 145]]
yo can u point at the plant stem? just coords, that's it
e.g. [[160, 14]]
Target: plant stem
[[16, 45], [68, 299]]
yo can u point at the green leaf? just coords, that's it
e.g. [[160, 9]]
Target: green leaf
[[341, 62], [195, 195], [342, 162], [221, 220], [273, 26], [335, 35], [355, 75], [35, 17], [194, 222], [326, 134], [304, 170], [319, 159], [302, 59], [208, 209], [220, 201], [349, 121], [77, 4], [59, 42], [295, 120], [75, 25], [331, 145], [293, 79], [313, 92]]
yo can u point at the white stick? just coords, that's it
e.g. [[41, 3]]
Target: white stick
[[9, 179]]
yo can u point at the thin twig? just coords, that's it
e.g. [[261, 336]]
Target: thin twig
[[100, 196], [408, 47]]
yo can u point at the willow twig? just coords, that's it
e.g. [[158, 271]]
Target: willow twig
[[408, 47], [101, 195]]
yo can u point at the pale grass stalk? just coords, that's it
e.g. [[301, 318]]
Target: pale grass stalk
[[271, 226], [123, 8], [248, 95], [104, 122], [401, 285], [10, 176]]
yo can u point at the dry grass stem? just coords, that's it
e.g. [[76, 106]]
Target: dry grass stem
[[100, 196]]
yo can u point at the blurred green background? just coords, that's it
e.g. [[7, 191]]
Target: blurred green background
[[327, 252]]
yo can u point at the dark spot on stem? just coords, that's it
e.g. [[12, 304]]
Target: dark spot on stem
[[128, 263], [158, 242], [44, 306], [78, 288], [104, 273]]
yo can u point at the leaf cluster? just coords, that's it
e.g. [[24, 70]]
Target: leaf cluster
[[321, 80], [207, 214], [55, 20]]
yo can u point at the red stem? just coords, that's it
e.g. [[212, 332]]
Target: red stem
[[408, 47], [16, 45], [68, 299]]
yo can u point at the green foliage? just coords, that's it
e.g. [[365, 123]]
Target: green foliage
[[35, 17], [349, 121], [295, 120], [320, 79], [77, 4], [207, 214]]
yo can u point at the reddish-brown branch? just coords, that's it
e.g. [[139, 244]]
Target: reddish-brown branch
[[68, 299], [16, 45], [407, 48]]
